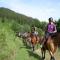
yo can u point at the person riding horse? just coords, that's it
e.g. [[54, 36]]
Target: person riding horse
[[50, 30], [35, 39], [34, 31]]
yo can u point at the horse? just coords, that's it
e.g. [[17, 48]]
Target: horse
[[34, 40], [24, 36], [20, 34], [51, 45]]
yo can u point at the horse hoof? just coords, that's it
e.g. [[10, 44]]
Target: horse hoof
[[43, 58], [52, 58], [33, 50]]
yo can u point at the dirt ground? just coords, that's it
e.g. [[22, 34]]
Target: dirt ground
[[57, 54]]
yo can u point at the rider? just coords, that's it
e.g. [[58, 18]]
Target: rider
[[34, 31], [50, 30]]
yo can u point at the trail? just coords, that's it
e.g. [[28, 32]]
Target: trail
[[57, 54]]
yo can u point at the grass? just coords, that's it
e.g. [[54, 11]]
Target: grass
[[25, 53]]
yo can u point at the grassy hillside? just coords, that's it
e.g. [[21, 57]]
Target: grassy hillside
[[7, 42], [12, 47], [20, 18]]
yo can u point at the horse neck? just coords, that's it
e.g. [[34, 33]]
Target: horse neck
[[58, 39]]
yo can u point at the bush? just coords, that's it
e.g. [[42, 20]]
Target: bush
[[41, 33]]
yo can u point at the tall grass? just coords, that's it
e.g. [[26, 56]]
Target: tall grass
[[7, 42], [12, 47]]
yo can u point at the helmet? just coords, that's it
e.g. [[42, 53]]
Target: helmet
[[50, 19]]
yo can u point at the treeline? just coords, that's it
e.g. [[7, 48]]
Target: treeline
[[58, 25], [21, 19]]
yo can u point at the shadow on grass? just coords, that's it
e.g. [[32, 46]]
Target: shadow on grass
[[59, 49], [25, 45], [34, 55]]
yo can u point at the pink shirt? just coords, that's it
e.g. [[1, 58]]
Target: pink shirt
[[51, 28]]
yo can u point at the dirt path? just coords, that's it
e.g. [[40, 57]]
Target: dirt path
[[57, 54]]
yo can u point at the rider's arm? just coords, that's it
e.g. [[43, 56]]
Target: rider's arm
[[55, 29]]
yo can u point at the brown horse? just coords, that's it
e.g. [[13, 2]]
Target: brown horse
[[51, 45], [34, 40]]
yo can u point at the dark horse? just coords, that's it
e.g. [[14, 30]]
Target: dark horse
[[51, 45]]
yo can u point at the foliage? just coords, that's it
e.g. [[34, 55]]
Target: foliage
[[6, 13], [58, 25]]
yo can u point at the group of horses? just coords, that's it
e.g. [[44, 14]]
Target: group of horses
[[51, 44]]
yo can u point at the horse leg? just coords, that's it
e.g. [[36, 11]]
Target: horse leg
[[52, 50], [52, 56], [33, 47], [43, 54]]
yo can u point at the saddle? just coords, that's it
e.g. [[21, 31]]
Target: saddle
[[52, 36]]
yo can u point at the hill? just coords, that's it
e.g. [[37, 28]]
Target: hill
[[22, 19]]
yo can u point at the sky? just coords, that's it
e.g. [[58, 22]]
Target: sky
[[40, 9]]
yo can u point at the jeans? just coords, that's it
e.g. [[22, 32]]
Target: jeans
[[47, 34]]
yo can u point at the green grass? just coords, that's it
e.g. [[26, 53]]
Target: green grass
[[25, 53]]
